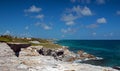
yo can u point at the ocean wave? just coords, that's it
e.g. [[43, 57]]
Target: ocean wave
[[87, 59]]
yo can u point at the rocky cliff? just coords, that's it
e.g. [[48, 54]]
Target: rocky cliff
[[37, 58]]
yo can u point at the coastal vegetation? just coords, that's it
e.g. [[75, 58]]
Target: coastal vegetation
[[33, 41]]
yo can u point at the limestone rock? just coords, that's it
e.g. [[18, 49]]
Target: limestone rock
[[5, 50], [31, 60], [28, 52], [22, 66]]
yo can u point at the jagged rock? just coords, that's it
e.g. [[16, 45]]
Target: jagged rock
[[5, 50], [45, 51], [83, 55], [28, 52], [67, 52], [88, 56], [116, 67], [80, 52], [57, 54], [9, 62], [65, 55], [71, 59]]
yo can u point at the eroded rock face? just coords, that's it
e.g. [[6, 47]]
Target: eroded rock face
[[65, 55], [28, 52], [80, 55], [57, 54], [16, 47], [8, 60], [31, 60], [5, 50], [83, 55]]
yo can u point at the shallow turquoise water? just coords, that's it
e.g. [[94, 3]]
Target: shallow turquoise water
[[107, 49]]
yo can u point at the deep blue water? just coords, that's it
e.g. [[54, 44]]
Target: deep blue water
[[109, 50]]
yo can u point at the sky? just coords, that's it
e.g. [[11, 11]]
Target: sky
[[61, 19]]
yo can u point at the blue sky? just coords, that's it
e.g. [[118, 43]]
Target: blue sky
[[61, 19]]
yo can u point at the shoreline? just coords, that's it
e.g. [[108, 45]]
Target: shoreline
[[29, 59], [87, 59], [109, 50]]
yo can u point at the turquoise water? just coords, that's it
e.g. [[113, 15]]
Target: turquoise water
[[109, 50]]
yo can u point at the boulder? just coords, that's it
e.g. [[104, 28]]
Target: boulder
[[80, 52], [57, 54], [84, 55], [28, 52]]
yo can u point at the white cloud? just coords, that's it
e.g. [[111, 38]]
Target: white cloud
[[44, 26], [118, 12], [40, 16], [81, 1], [27, 27], [104, 35], [94, 33], [111, 34], [37, 24], [68, 30], [74, 13], [63, 36], [33, 8], [101, 21], [100, 1], [70, 23], [27, 34], [92, 26], [86, 11], [7, 32], [64, 30], [89, 1], [69, 17]]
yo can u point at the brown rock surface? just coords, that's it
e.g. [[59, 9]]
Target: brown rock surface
[[83, 55]]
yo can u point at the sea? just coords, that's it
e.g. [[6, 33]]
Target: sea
[[109, 50]]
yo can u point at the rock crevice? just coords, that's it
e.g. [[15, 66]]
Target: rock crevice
[[16, 47]]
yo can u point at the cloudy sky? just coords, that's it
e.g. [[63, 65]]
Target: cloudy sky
[[61, 19]]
